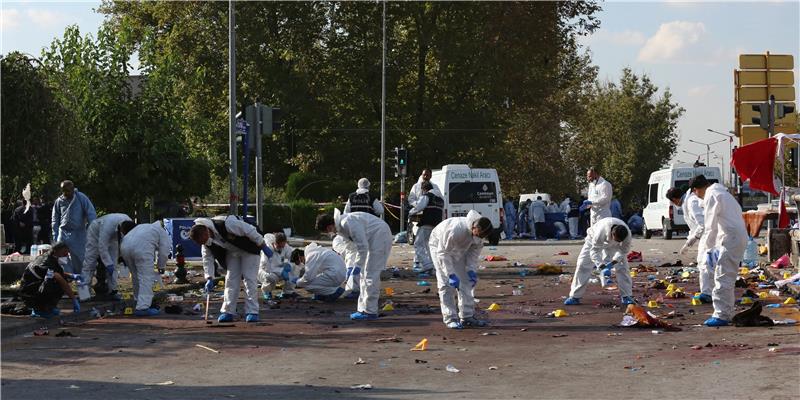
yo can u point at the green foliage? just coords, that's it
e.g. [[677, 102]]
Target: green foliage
[[303, 185], [299, 215], [39, 145], [628, 131]]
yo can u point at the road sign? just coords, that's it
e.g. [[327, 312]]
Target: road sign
[[754, 93], [759, 78], [241, 126], [759, 61], [746, 115]]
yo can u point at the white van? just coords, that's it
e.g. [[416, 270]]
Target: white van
[[660, 214], [466, 188]]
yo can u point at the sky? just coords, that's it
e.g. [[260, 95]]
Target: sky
[[691, 48]]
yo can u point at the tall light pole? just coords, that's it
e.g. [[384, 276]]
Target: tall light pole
[[232, 93], [730, 136], [708, 147], [383, 114]]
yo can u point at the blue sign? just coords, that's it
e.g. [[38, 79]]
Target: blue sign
[[242, 126], [178, 230]]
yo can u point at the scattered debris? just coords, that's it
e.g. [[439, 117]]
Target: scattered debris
[[41, 332], [561, 335], [493, 307], [389, 339], [492, 368], [489, 334], [64, 333], [365, 386], [752, 317], [635, 256], [165, 383], [451, 368], [637, 316], [359, 361], [495, 258], [418, 361], [207, 348], [421, 346]]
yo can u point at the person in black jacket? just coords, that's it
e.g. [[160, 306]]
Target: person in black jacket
[[22, 218], [44, 282]]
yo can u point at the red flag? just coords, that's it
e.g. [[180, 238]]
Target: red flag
[[756, 161], [783, 217]]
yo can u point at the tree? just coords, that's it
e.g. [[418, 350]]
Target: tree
[[39, 144], [134, 152], [627, 132]]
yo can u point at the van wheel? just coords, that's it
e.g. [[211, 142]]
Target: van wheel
[[666, 232], [494, 238], [647, 233]]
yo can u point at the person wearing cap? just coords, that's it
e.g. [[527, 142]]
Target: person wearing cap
[[362, 201], [373, 241], [692, 207], [724, 240], [455, 246], [607, 245]]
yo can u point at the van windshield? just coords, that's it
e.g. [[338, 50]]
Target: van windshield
[[472, 192]]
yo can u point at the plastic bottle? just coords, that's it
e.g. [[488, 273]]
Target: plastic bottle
[[750, 253], [34, 250]]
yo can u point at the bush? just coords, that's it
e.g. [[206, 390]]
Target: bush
[[302, 185], [300, 215]]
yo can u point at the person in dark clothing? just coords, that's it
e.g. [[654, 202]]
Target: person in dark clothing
[[44, 212], [23, 227], [44, 282]]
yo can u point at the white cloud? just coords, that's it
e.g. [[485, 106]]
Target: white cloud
[[672, 42], [43, 18], [625, 38], [9, 19], [700, 91]]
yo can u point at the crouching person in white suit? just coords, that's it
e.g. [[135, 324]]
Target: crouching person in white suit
[[324, 272]]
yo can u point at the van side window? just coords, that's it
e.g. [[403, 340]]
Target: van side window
[[653, 193]]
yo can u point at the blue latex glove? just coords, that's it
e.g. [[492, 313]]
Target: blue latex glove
[[76, 305], [266, 250], [110, 269], [78, 277], [453, 281], [209, 285], [712, 256], [293, 280], [607, 268], [285, 273], [473, 277]]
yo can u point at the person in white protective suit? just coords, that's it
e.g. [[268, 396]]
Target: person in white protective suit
[[455, 246], [607, 245], [278, 268], [236, 245], [348, 251], [373, 239], [693, 214], [724, 240], [431, 206], [103, 240], [143, 244], [416, 191], [413, 196], [361, 200], [324, 272], [600, 194]]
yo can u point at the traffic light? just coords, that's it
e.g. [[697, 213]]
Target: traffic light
[[763, 120], [401, 161], [782, 109], [793, 156]]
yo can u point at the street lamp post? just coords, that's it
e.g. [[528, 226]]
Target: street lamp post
[[708, 148], [730, 136]]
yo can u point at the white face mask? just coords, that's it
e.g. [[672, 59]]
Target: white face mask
[[62, 261]]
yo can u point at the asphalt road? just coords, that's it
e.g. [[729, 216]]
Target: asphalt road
[[307, 350]]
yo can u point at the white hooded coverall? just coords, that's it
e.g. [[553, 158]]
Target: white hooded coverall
[[373, 240], [142, 245], [325, 271], [103, 242], [724, 231], [598, 249], [693, 214], [270, 269], [421, 250], [455, 251], [600, 192], [349, 252], [242, 265]]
